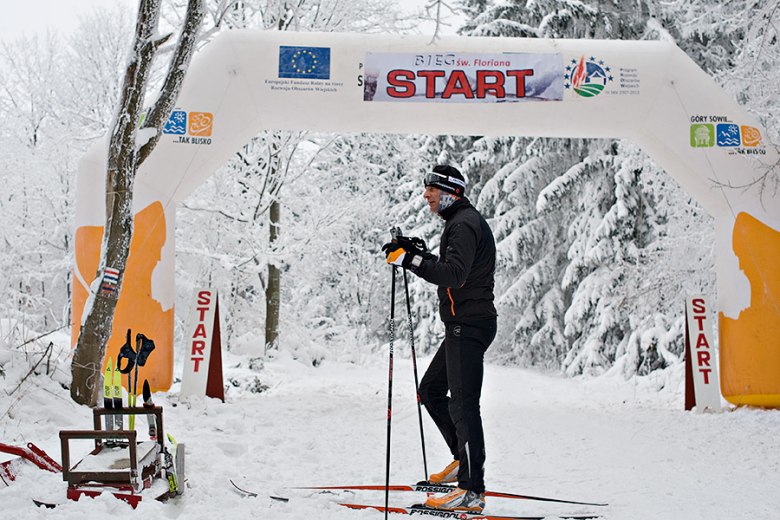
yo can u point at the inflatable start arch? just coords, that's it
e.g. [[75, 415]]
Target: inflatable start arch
[[244, 82]]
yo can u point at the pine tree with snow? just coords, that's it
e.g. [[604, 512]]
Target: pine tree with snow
[[573, 218]]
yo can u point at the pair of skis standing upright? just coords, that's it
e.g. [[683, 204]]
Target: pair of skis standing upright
[[112, 383], [173, 462]]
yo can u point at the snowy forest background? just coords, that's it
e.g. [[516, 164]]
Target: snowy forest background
[[597, 246]]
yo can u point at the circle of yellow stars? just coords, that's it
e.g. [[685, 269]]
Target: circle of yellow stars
[[304, 67]]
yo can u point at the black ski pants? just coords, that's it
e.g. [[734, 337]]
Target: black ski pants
[[458, 367]]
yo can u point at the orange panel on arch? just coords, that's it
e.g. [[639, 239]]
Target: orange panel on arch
[[136, 309], [750, 345]]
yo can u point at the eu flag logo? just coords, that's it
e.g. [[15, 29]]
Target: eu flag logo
[[304, 62]]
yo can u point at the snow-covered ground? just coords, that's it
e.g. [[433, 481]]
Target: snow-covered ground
[[628, 443]]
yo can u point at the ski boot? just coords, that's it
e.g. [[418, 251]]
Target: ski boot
[[458, 500], [448, 474]]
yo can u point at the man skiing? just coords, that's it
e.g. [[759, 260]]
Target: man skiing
[[464, 274]]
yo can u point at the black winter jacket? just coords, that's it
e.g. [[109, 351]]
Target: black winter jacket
[[465, 267]]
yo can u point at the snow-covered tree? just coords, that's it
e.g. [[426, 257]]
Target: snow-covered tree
[[754, 76], [265, 166], [131, 141], [57, 95], [577, 226], [597, 245]]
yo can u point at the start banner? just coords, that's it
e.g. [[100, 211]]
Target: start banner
[[461, 77]]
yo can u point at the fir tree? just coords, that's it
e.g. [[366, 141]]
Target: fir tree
[[573, 220]]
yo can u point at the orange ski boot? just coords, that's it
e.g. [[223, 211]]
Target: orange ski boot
[[448, 474], [458, 500]]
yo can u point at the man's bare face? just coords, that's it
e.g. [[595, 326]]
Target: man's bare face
[[432, 196]]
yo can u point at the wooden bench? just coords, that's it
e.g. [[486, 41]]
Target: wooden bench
[[125, 464]]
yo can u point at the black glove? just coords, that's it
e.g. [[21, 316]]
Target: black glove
[[405, 251], [411, 244], [397, 255]]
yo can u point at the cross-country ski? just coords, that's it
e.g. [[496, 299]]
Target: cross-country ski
[[423, 511], [427, 487]]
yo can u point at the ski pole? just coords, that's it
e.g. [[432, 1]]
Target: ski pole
[[143, 347], [414, 367], [135, 380], [127, 352], [390, 392]]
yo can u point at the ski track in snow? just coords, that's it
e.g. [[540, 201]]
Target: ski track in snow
[[628, 443]]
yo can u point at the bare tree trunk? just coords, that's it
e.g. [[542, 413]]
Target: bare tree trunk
[[272, 292], [123, 162], [96, 330]]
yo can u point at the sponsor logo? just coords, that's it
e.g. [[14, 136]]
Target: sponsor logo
[[304, 62], [177, 123], [429, 488], [587, 78], [191, 128], [721, 133], [750, 136], [727, 135], [438, 513], [200, 124], [702, 135]]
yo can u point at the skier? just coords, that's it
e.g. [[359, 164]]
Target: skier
[[464, 273]]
